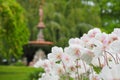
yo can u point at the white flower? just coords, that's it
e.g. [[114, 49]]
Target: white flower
[[94, 76], [46, 64], [38, 63], [74, 51], [71, 66], [59, 69], [93, 32], [113, 37], [114, 47], [75, 41], [49, 76], [85, 38], [101, 43], [96, 48], [87, 56], [66, 58], [103, 38], [112, 73], [56, 54]]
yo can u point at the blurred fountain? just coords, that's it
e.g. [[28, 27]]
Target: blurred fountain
[[38, 46]]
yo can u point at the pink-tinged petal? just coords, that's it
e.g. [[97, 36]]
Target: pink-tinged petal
[[57, 50], [93, 32], [75, 41]]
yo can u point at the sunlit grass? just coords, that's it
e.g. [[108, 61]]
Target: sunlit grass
[[18, 73]]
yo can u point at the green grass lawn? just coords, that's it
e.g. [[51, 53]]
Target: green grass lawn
[[18, 73]]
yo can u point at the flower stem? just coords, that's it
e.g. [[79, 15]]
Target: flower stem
[[99, 62], [68, 78], [112, 56], [78, 76], [105, 57], [84, 66]]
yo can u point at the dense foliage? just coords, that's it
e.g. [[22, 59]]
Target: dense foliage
[[63, 18], [13, 30], [71, 18], [109, 13]]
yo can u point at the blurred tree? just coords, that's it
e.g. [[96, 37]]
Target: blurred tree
[[110, 13], [13, 30], [32, 14], [63, 18]]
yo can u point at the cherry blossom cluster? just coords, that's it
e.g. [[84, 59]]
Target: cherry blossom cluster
[[78, 60]]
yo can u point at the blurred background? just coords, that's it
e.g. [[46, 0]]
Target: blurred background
[[63, 19]]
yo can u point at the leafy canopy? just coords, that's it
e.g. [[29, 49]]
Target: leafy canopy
[[13, 30]]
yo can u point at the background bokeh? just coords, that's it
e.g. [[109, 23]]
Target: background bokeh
[[64, 19]]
